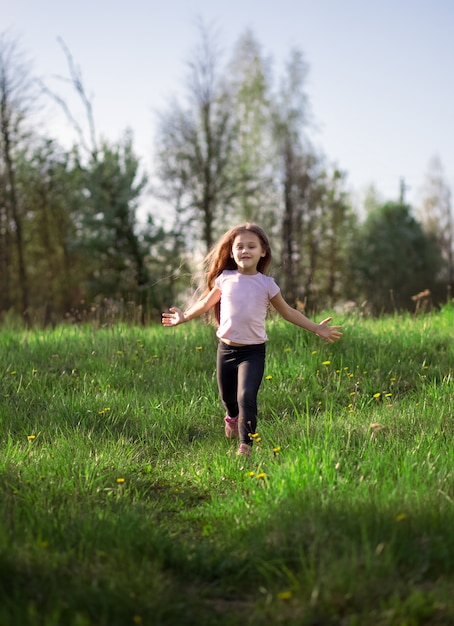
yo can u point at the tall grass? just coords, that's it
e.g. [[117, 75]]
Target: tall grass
[[121, 502]]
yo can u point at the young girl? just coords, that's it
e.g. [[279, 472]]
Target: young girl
[[239, 291]]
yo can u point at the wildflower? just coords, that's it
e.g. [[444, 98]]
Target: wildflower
[[34, 371], [199, 348], [120, 481], [388, 395], [31, 437], [377, 395], [326, 363], [119, 351], [261, 475], [251, 474], [314, 352], [392, 379], [287, 349], [253, 435], [13, 373], [276, 450], [353, 393], [269, 377], [284, 595]]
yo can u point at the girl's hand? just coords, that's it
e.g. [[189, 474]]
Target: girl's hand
[[329, 333], [175, 317]]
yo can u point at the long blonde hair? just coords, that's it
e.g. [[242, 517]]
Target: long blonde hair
[[219, 258]]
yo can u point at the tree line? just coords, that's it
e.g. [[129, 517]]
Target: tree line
[[233, 146]]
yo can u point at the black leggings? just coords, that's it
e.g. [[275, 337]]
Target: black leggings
[[240, 372]]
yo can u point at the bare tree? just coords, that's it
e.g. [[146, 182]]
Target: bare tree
[[75, 79], [16, 96], [289, 121], [436, 216], [195, 144]]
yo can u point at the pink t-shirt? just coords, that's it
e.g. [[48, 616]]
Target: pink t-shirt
[[244, 304]]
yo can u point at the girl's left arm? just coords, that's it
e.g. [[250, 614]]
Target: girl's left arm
[[329, 333]]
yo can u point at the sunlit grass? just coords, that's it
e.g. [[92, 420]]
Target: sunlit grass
[[122, 502]]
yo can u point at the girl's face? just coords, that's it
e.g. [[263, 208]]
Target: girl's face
[[247, 252]]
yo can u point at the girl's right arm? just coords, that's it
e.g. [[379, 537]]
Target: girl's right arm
[[176, 315]]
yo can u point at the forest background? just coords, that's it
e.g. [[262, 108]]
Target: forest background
[[234, 147]]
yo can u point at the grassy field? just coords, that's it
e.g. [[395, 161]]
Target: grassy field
[[122, 503]]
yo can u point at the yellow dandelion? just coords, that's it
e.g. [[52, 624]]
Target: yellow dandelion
[[277, 449], [388, 395], [120, 481], [261, 475], [119, 351], [284, 595], [287, 349], [269, 377], [392, 379], [31, 437], [251, 474], [377, 395], [199, 347], [326, 363], [253, 435], [314, 352], [353, 393]]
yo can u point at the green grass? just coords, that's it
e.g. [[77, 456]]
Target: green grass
[[121, 502]]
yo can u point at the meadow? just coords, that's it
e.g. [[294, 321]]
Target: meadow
[[122, 502]]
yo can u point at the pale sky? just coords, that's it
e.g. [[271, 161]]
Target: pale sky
[[380, 83]]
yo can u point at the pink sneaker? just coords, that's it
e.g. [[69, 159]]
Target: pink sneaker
[[231, 427], [244, 450]]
